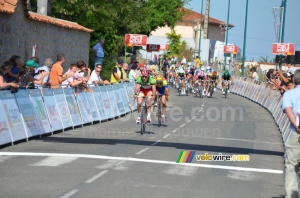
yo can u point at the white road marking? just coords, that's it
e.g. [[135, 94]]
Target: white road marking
[[259, 170], [239, 175], [3, 158], [194, 117], [114, 164], [182, 125], [96, 177], [158, 141], [189, 121], [181, 170], [69, 194], [166, 135], [174, 130], [140, 152], [55, 161]]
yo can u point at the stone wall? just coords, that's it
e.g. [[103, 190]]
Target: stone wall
[[18, 34]]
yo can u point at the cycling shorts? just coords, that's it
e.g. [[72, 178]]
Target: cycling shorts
[[145, 92]]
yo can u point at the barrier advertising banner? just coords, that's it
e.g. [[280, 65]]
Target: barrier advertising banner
[[106, 102], [63, 108], [99, 103], [93, 111], [40, 111], [84, 107], [112, 99], [119, 99], [125, 97], [52, 110], [27, 110], [73, 107], [13, 116], [130, 90], [5, 134]]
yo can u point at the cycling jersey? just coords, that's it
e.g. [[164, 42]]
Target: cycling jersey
[[146, 85], [213, 77], [180, 72], [161, 88], [201, 75], [226, 76]]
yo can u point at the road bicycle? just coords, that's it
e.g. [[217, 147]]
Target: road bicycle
[[199, 90], [144, 115], [226, 88], [211, 89], [159, 109]]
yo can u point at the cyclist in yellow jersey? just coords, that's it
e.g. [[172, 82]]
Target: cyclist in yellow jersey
[[162, 88], [213, 77]]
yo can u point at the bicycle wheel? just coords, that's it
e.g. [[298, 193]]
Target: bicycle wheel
[[226, 90]]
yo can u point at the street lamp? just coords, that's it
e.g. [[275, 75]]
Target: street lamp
[[199, 48], [227, 30], [245, 34]]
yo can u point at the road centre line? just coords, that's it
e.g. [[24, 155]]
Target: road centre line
[[174, 130], [166, 135], [189, 121], [182, 125], [95, 177], [70, 193], [158, 141], [259, 170], [140, 152]]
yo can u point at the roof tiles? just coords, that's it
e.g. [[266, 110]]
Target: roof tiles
[[8, 6]]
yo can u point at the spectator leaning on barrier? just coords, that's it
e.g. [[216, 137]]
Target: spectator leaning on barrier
[[72, 81], [291, 69], [254, 75], [117, 74], [56, 74], [99, 52], [125, 69], [133, 73], [13, 75], [26, 79], [291, 106], [95, 76], [5, 68], [47, 68]]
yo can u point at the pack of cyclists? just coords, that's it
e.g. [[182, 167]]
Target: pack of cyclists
[[183, 74]]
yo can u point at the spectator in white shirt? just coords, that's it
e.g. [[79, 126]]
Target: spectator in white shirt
[[254, 75], [133, 73], [183, 60], [292, 69], [95, 76]]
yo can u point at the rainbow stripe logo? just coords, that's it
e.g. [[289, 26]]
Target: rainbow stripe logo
[[189, 158]]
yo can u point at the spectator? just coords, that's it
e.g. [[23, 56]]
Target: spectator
[[133, 73], [133, 58], [254, 74], [13, 75], [197, 62], [95, 76], [84, 70], [183, 61], [291, 69], [159, 62], [155, 60], [290, 106], [56, 74], [47, 68], [72, 81], [117, 74], [99, 52], [140, 69], [5, 68], [125, 69], [26, 79]]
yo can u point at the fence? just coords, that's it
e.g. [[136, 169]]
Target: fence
[[33, 112], [262, 94]]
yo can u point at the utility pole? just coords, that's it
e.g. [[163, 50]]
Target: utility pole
[[206, 19], [245, 36], [199, 48], [227, 33], [283, 5]]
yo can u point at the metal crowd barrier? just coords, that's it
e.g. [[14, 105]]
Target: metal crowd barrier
[[34, 112], [262, 94]]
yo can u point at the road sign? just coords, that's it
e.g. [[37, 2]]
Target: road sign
[[135, 40], [164, 47], [153, 48], [283, 48], [230, 49]]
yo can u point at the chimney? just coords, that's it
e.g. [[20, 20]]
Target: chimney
[[44, 7]]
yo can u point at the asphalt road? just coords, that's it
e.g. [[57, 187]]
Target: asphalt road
[[112, 159]]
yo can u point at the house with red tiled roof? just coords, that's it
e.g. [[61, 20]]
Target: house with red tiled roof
[[26, 34], [189, 28]]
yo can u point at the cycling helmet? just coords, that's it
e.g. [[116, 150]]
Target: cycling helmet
[[159, 79], [214, 73], [145, 72], [226, 71]]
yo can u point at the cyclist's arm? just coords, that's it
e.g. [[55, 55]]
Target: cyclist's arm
[[137, 86], [153, 89]]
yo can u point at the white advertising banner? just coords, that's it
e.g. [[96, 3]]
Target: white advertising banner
[[99, 103], [112, 99], [13, 115], [106, 102], [40, 111], [125, 97], [63, 108], [5, 134], [73, 107], [28, 113], [119, 99], [84, 107], [93, 111], [52, 110]]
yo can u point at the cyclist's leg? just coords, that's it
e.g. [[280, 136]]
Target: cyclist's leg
[[140, 100], [149, 99], [183, 83], [164, 104]]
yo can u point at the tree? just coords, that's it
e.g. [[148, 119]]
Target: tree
[[263, 59], [174, 44], [185, 51]]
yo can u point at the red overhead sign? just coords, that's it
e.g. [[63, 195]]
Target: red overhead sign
[[230, 49], [153, 48], [283, 48], [135, 40], [164, 47]]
